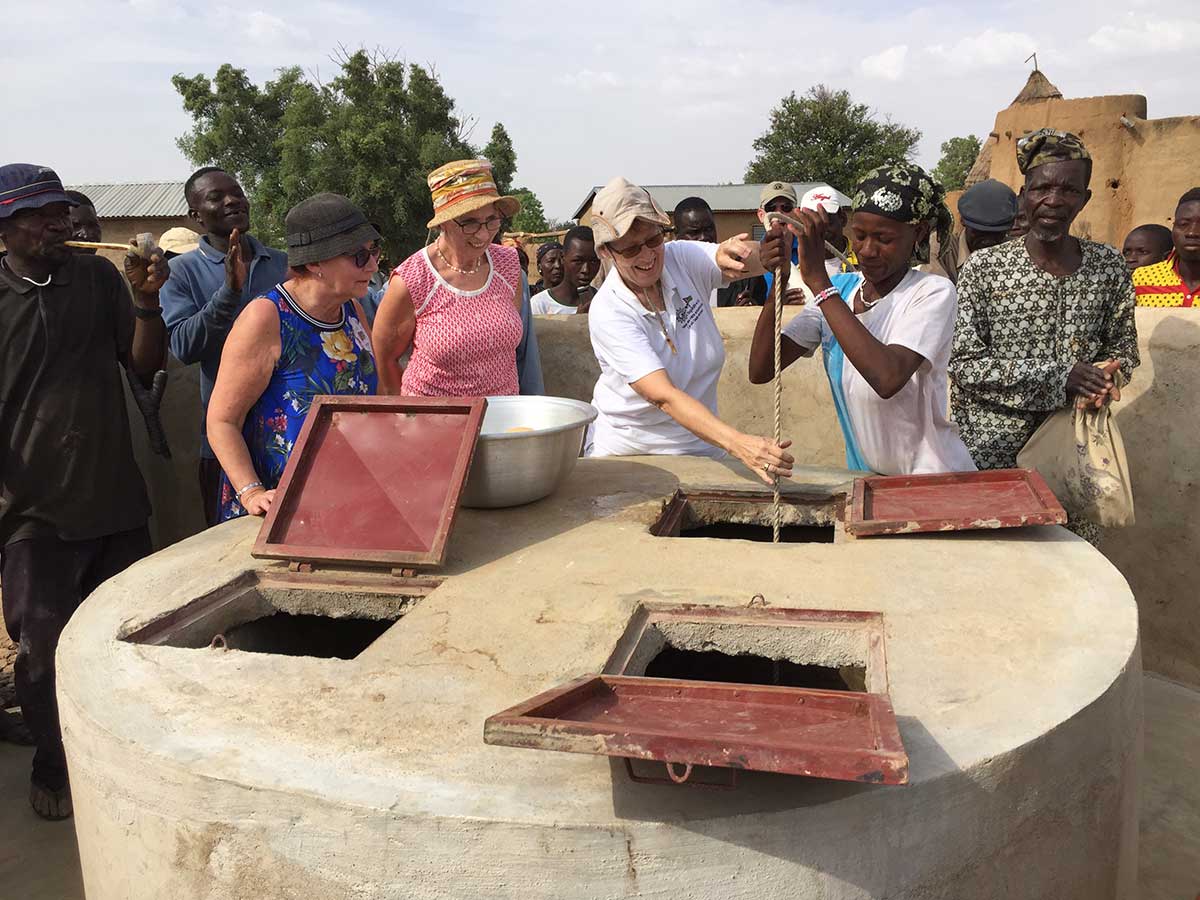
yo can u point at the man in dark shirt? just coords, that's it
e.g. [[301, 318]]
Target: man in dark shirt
[[73, 507], [207, 290], [694, 221]]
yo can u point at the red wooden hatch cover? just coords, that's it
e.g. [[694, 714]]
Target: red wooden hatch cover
[[373, 481], [796, 731], [957, 501]]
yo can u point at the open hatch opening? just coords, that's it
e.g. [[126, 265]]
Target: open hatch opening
[[747, 516], [323, 616], [746, 668]]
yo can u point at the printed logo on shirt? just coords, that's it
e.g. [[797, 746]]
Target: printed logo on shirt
[[690, 313]]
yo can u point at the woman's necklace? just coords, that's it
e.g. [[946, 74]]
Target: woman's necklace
[[4, 262], [452, 266], [649, 304]]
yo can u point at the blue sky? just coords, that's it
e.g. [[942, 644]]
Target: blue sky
[[661, 93]]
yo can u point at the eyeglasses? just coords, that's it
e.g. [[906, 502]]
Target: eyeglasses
[[472, 226], [636, 250], [364, 255], [783, 207]]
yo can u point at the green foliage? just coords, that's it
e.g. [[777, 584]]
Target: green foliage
[[532, 217], [500, 153], [373, 133], [958, 155], [826, 136]]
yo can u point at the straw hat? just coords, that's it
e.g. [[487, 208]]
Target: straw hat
[[464, 186]]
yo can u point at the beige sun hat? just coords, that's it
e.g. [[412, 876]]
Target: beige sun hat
[[178, 240], [464, 186], [618, 205]]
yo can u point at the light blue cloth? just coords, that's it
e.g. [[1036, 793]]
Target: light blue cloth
[[835, 360]]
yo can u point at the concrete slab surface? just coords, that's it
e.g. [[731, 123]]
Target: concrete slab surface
[[39, 860]]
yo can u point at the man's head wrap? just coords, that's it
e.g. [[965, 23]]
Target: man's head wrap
[[905, 193], [546, 248], [1047, 145]]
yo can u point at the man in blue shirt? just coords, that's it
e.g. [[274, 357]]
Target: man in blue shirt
[[209, 287]]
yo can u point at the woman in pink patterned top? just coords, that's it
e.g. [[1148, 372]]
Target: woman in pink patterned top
[[456, 303]]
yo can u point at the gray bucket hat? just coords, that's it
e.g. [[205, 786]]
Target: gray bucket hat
[[324, 226]]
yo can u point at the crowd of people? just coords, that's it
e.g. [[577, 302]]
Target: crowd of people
[[944, 350]]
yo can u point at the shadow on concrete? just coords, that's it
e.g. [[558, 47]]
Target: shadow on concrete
[[39, 860]]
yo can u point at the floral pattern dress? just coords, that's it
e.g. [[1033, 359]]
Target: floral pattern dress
[[315, 358]]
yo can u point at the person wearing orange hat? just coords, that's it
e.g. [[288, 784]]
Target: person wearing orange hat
[[458, 303]]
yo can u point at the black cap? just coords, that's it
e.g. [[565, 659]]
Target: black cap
[[324, 226], [988, 206], [26, 186]]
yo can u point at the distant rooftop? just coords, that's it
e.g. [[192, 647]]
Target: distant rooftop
[[144, 200], [721, 197]]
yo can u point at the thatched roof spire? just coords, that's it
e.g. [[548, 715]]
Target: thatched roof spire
[[1038, 87]]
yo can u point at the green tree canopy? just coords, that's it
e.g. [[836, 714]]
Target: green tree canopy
[[373, 133], [500, 153], [532, 217], [958, 155], [826, 136]]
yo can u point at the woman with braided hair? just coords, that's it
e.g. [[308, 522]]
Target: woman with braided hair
[[885, 332]]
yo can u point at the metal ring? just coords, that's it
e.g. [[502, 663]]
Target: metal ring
[[767, 468]]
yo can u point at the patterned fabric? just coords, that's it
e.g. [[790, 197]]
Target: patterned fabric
[[465, 342], [1018, 333], [1162, 285], [546, 248], [905, 193], [1048, 145], [315, 358]]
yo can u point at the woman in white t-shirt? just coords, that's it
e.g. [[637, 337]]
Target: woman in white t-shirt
[[885, 333], [656, 340]]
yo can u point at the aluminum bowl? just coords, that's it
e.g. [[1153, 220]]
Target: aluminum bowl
[[515, 467]]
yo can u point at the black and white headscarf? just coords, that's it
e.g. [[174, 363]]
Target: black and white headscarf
[[906, 193]]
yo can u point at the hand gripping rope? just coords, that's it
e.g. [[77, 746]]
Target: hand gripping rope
[[777, 381]]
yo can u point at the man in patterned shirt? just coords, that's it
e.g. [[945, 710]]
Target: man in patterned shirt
[[1043, 321], [1176, 280]]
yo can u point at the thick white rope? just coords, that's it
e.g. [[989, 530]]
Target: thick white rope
[[777, 382]]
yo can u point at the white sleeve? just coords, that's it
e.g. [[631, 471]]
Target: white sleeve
[[925, 324], [699, 258], [620, 343], [804, 330]]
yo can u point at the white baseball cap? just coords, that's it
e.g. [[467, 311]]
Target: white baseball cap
[[825, 197]]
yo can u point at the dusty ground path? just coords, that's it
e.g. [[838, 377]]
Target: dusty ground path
[[39, 860]]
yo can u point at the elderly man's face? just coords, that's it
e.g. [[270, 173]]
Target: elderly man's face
[[696, 225], [38, 234], [1054, 195]]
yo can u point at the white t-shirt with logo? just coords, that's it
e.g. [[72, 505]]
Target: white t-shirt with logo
[[543, 304], [629, 344], [910, 433]]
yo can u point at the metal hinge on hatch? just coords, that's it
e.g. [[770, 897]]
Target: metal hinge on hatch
[[403, 579]]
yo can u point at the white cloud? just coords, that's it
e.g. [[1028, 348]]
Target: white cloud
[[262, 26], [888, 65], [1147, 37], [588, 80], [986, 49]]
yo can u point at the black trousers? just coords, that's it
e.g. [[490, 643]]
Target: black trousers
[[210, 490], [45, 580]]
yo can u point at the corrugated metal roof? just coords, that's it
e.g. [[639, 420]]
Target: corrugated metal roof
[[721, 197], [144, 200]]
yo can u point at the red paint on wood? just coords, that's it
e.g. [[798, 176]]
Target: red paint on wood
[[373, 481], [822, 734], [957, 501]]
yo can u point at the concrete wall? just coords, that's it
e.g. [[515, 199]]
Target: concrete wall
[[1159, 417], [121, 231], [1138, 174]]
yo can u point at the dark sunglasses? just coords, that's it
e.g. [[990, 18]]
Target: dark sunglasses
[[364, 255], [636, 250], [784, 207]]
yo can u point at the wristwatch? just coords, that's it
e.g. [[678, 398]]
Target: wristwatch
[[143, 312]]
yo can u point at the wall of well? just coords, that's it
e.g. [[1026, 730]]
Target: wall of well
[[1138, 173], [1159, 417]]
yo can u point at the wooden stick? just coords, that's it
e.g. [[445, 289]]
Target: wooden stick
[[97, 245], [773, 216]]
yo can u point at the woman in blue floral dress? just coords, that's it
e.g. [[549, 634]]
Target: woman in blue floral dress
[[305, 338]]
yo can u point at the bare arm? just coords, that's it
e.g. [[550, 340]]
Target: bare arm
[[395, 324], [754, 452], [251, 352], [148, 351], [738, 257], [762, 349], [886, 367]]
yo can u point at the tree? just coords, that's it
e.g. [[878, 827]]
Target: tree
[[532, 217], [500, 153], [958, 156], [826, 136], [372, 133]]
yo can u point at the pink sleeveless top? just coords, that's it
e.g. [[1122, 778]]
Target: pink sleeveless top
[[465, 344]]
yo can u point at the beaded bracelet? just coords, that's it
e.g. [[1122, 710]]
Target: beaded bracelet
[[824, 295]]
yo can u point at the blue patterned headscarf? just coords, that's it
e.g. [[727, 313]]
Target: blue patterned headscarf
[[906, 193]]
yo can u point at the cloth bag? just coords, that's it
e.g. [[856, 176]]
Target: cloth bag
[[1082, 457]]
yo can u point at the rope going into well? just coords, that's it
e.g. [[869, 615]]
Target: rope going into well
[[777, 383]]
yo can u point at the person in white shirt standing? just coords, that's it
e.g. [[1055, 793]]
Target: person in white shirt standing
[[574, 292], [656, 340], [885, 333]]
